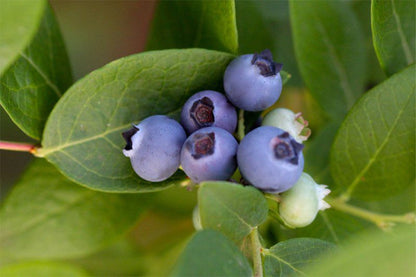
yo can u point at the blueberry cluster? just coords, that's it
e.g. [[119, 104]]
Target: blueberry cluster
[[268, 157]]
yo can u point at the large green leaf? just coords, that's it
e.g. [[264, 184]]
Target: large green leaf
[[47, 216], [394, 34], [209, 253], [373, 156], [39, 75], [42, 269], [231, 208], [184, 24], [372, 255], [329, 48], [290, 257], [83, 133], [18, 23]]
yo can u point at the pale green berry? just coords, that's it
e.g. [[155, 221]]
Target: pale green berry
[[299, 206], [287, 120]]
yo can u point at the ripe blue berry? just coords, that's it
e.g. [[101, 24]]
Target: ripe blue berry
[[270, 159], [209, 154], [208, 108], [252, 82], [154, 147]]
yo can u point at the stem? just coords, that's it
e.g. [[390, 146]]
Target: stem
[[384, 221], [256, 253], [241, 127], [17, 146]]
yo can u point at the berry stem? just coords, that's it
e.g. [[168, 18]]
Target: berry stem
[[256, 253], [383, 221], [241, 127], [18, 146]]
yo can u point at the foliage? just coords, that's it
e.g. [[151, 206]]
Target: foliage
[[83, 204]]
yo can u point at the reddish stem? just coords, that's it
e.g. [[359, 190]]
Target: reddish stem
[[17, 146]]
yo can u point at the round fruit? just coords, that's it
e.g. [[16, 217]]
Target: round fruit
[[270, 159], [209, 154], [287, 120], [154, 147], [208, 108], [299, 206], [252, 82]]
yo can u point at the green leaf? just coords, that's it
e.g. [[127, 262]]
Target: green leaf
[[394, 35], [83, 133], [47, 216], [231, 208], [42, 269], [329, 47], [253, 34], [18, 21], [373, 154], [39, 75], [290, 257], [204, 24], [372, 255], [209, 253]]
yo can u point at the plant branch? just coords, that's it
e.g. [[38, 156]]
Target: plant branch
[[384, 221], [18, 146], [241, 127], [256, 253]]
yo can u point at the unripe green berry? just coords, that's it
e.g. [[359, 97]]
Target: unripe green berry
[[299, 206], [287, 120]]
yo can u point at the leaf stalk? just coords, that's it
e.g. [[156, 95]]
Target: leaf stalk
[[256, 249], [383, 221], [18, 146]]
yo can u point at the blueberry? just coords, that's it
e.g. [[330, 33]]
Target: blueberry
[[208, 108], [252, 82], [209, 154], [154, 147], [270, 159]]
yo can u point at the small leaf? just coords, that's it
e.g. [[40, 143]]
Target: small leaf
[[19, 21], [83, 134], [204, 24], [38, 77], [290, 257], [42, 269], [47, 216], [372, 254], [373, 154], [394, 35], [209, 253], [329, 48], [231, 208]]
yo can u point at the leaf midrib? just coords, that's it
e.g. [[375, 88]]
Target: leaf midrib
[[403, 41], [286, 263], [372, 159], [42, 74], [218, 200]]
